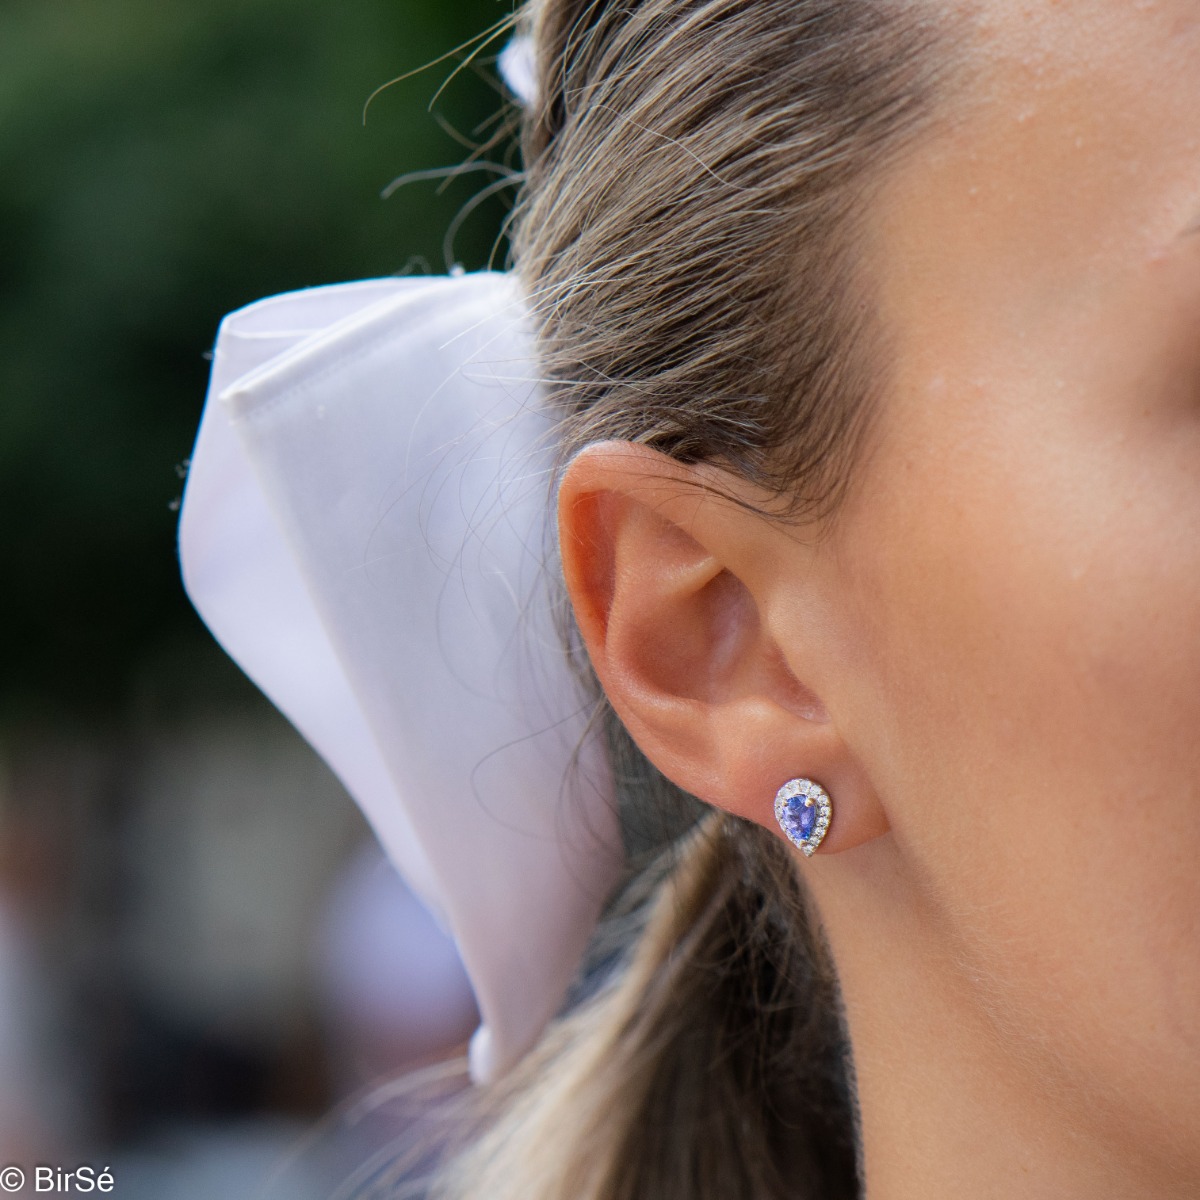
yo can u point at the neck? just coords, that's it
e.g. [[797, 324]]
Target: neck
[[949, 1106]]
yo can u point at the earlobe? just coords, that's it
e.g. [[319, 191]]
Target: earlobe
[[672, 587]]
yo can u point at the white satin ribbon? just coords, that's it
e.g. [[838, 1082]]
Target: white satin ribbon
[[363, 530]]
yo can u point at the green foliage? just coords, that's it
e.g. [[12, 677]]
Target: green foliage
[[161, 164]]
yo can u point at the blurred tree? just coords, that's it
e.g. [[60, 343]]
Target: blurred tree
[[161, 164]]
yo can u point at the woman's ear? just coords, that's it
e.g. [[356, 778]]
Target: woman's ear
[[673, 587]]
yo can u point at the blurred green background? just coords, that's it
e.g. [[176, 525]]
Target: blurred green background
[[160, 164], [167, 844]]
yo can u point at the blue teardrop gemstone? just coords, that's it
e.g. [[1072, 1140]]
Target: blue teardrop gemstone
[[799, 818]]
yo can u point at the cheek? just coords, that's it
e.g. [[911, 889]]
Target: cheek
[[1033, 710]]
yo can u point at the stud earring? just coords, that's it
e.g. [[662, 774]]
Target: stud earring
[[803, 811]]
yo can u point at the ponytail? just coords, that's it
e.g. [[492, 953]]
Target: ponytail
[[710, 1066]]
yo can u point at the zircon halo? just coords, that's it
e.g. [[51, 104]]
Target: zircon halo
[[803, 811]]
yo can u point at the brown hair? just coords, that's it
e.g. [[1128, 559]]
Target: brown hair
[[687, 234]]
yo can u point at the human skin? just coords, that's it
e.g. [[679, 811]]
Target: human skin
[[990, 656]]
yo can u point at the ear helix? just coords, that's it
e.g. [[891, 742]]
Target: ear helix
[[803, 810]]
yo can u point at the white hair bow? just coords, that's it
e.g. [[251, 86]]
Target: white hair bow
[[364, 529], [517, 69]]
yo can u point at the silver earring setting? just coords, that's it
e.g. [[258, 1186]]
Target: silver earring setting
[[803, 811]]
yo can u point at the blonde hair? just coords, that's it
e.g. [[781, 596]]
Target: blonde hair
[[695, 173]]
